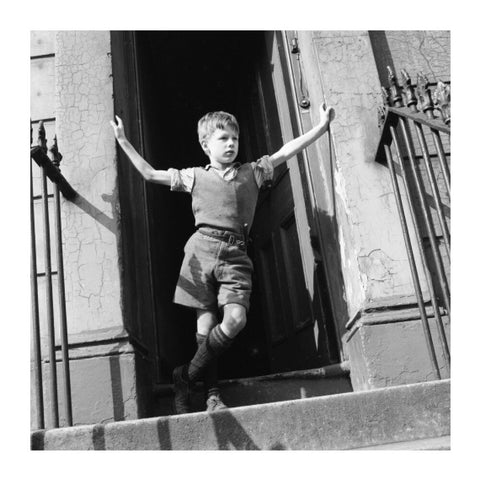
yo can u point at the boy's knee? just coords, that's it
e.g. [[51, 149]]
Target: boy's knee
[[206, 320], [235, 317]]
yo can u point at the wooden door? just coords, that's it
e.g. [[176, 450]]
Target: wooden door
[[287, 306]]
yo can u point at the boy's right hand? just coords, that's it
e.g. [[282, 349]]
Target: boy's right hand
[[118, 129]]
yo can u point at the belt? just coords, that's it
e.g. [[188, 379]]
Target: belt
[[231, 238]]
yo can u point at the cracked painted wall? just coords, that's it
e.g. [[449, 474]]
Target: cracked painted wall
[[346, 69], [84, 107], [341, 69], [71, 86]]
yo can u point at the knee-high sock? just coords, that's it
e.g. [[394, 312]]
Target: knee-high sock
[[210, 374], [213, 346]]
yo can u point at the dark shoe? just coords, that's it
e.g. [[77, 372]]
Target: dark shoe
[[214, 403], [182, 391]]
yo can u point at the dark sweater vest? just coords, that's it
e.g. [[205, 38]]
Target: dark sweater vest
[[224, 205]]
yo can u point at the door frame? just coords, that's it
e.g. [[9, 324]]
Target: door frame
[[140, 321], [306, 222], [294, 123]]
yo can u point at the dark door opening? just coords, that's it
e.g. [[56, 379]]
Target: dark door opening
[[181, 76]]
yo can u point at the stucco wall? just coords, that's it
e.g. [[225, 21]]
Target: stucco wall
[[346, 70], [72, 88], [84, 107], [385, 351], [103, 387], [341, 70]]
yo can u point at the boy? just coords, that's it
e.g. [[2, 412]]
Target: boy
[[216, 271]]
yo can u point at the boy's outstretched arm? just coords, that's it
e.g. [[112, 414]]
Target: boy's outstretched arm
[[145, 169], [290, 149]]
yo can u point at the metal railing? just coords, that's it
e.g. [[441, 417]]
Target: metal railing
[[414, 145], [49, 168]]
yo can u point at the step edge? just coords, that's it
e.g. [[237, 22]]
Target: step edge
[[321, 399], [330, 371]]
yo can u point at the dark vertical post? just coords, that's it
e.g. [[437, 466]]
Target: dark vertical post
[[57, 157], [411, 261], [48, 287], [37, 353]]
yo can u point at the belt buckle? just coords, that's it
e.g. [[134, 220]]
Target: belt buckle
[[231, 240]]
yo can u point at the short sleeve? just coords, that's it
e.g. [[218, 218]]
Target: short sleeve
[[181, 180], [263, 170]]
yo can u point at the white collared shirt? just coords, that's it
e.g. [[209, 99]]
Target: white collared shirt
[[183, 180]]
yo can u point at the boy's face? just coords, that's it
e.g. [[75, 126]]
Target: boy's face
[[222, 147]]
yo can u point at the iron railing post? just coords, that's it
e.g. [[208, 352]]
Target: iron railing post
[[411, 261], [50, 168], [37, 352], [48, 288], [434, 187], [61, 291], [395, 114], [422, 253], [426, 215]]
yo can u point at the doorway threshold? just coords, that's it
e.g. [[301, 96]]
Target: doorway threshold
[[298, 384]]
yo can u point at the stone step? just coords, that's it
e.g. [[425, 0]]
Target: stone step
[[265, 389], [333, 422], [438, 443]]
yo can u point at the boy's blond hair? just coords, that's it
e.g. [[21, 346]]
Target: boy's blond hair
[[213, 120]]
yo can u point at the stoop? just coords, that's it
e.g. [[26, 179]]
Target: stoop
[[271, 388], [392, 415]]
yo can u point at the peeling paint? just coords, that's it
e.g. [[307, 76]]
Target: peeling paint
[[376, 265], [84, 106]]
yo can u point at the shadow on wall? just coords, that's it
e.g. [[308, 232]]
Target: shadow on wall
[[330, 287], [382, 55], [329, 271], [108, 222]]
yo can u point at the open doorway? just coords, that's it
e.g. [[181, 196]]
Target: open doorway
[[181, 76]]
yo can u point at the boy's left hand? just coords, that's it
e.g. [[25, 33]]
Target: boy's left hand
[[327, 114]]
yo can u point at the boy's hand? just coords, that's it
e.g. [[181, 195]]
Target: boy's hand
[[118, 129], [327, 114]]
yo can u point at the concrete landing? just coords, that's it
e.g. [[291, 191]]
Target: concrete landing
[[334, 422]]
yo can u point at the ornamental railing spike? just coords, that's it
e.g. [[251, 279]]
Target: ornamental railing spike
[[56, 155], [409, 90], [382, 109], [424, 95], [385, 97], [441, 98], [42, 138], [395, 90], [381, 115]]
